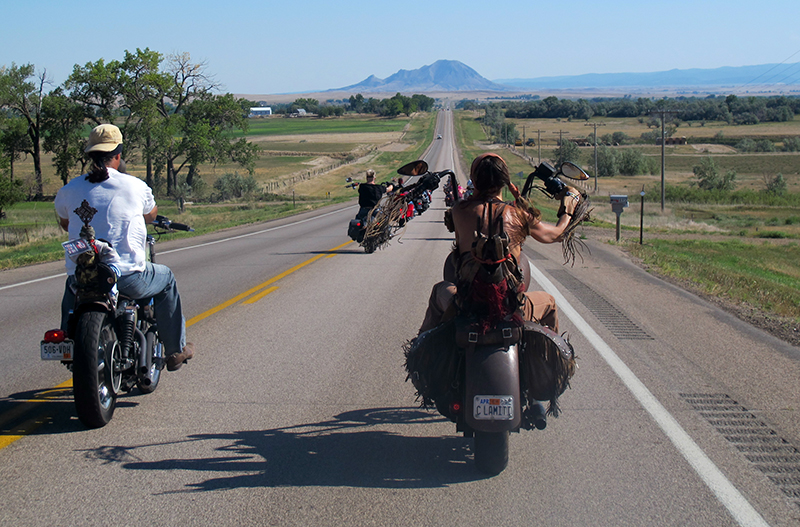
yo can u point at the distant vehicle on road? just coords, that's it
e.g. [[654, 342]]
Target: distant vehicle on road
[[439, 136]]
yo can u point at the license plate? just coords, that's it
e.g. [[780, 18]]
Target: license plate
[[76, 247], [493, 407], [57, 351]]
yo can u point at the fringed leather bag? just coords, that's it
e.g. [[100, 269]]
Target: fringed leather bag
[[547, 363]]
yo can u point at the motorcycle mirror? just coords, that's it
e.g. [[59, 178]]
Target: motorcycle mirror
[[415, 168], [572, 171]]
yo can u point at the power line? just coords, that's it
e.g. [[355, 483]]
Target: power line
[[789, 76], [789, 67], [772, 68]]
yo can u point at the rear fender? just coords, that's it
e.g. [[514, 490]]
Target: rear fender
[[492, 370], [85, 307]]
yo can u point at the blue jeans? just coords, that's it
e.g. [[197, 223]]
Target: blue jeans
[[156, 282]]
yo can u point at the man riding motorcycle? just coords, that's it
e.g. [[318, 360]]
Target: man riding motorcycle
[[369, 194], [124, 205]]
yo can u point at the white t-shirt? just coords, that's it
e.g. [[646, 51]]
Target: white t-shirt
[[121, 202]]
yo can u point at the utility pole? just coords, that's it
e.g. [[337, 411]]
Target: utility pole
[[523, 140], [539, 143], [595, 125], [663, 114]]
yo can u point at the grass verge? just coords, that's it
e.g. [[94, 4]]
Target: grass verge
[[760, 277]]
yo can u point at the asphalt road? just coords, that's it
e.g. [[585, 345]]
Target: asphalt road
[[295, 410]]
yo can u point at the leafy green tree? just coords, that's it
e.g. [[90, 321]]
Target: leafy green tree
[[632, 162], [63, 122], [607, 162], [10, 192], [207, 121], [567, 151], [356, 103], [791, 144], [22, 92], [709, 177], [776, 185], [14, 141]]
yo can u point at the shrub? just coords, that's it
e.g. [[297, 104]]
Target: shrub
[[231, 186], [776, 185], [709, 177], [791, 144]]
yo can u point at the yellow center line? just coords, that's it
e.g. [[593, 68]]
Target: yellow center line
[[261, 286], [255, 298], [26, 405]]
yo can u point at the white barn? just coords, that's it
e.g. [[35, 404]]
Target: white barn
[[260, 111]]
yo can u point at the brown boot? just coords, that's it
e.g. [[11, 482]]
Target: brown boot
[[176, 360]]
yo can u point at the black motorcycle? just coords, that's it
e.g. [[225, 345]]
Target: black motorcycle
[[113, 342], [396, 209]]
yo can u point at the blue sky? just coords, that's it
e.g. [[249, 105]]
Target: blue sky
[[307, 45]]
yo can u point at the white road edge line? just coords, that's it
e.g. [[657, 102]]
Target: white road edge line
[[194, 246], [733, 500]]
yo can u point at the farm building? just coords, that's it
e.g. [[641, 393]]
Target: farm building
[[672, 141], [260, 111]]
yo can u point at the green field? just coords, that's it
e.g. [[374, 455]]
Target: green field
[[310, 125]]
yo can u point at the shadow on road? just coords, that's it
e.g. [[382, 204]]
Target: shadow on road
[[349, 450], [46, 411]]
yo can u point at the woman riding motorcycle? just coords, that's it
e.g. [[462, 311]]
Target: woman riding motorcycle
[[517, 220]]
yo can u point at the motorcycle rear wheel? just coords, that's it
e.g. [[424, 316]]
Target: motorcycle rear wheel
[[491, 452], [93, 377]]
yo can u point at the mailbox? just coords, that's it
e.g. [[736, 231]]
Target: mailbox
[[618, 203]]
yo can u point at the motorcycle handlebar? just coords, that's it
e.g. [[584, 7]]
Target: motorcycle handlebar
[[180, 227], [162, 222], [428, 181]]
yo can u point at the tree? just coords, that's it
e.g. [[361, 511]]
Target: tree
[[25, 98], [776, 185], [166, 109], [791, 144], [14, 141], [709, 177], [63, 120], [207, 121], [10, 192], [567, 151], [632, 161], [606, 162]]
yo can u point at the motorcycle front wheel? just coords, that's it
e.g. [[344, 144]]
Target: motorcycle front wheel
[[94, 382], [491, 452]]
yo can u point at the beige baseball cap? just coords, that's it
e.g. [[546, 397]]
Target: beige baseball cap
[[104, 138]]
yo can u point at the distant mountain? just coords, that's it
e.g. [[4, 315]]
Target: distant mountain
[[442, 75], [769, 74]]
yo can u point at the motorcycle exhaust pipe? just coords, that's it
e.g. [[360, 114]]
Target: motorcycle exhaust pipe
[[145, 360], [539, 416]]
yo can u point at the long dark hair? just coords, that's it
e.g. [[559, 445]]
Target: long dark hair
[[99, 172], [489, 174]]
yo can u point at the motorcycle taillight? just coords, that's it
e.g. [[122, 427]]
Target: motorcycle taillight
[[54, 336], [455, 408]]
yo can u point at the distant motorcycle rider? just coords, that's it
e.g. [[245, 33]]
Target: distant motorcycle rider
[[369, 194], [124, 204]]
